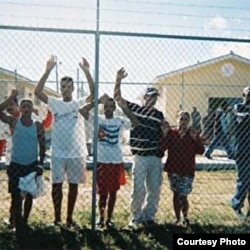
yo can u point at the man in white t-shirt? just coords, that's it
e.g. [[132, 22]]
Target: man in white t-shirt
[[68, 139]]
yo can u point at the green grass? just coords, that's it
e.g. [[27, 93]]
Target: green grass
[[46, 236], [210, 213]]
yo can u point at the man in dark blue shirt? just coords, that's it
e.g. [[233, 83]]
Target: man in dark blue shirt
[[147, 167]]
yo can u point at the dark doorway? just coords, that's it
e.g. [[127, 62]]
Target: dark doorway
[[214, 102]]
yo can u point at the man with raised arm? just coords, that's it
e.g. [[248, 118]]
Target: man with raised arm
[[147, 167], [110, 164], [27, 151], [68, 139]]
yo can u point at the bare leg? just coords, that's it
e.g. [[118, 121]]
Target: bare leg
[[72, 195], [57, 197], [17, 203], [177, 206], [12, 213], [27, 207], [111, 204], [185, 206], [102, 206]]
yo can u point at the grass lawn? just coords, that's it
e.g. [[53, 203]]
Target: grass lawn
[[210, 213]]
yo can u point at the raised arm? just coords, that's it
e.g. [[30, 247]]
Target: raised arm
[[123, 105], [84, 111], [9, 99], [41, 142], [7, 118], [84, 65], [121, 73], [40, 85]]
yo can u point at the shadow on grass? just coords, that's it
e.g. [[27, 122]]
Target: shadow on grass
[[160, 237]]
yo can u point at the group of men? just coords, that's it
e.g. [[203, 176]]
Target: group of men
[[69, 149]]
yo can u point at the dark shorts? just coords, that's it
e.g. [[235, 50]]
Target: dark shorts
[[108, 177], [181, 184], [15, 171]]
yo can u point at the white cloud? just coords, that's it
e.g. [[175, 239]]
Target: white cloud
[[217, 22]]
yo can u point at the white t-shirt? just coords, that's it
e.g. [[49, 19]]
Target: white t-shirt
[[68, 130], [109, 146]]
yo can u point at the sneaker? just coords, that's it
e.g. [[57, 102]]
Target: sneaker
[[133, 224], [100, 222], [9, 222], [238, 213], [177, 222], [110, 224]]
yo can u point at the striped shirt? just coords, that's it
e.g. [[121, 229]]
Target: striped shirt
[[145, 138]]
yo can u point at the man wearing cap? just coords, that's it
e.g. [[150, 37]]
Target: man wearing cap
[[147, 167], [242, 155]]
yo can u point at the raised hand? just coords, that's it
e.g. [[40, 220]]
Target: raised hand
[[84, 65], [14, 93], [121, 74], [51, 63]]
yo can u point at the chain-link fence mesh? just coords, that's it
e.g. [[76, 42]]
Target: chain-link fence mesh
[[188, 73]]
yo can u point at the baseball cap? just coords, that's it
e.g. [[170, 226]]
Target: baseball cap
[[246, 90], [151, 91]]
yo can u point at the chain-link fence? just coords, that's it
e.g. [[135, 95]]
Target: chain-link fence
[[200, 76]]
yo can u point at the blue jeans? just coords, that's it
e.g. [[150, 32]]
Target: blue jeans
[[242, 189]]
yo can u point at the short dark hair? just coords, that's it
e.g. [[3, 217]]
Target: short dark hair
[[110, 100], [151, 91], [67, 79]]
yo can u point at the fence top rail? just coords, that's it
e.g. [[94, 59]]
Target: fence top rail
[[128, 34]]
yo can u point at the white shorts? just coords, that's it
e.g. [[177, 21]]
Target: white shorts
[[73, 168]]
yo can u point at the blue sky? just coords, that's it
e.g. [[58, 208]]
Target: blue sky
[[229, 18]]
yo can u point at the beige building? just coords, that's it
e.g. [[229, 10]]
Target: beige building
[[9, 80], [203, 85]]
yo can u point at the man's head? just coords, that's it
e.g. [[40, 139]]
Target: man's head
[[109, 108], [150, 97], [67, 88], [26, 107], [246, 95]]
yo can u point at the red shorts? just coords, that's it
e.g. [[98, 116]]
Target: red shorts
[[108, 177], [2, 146]]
